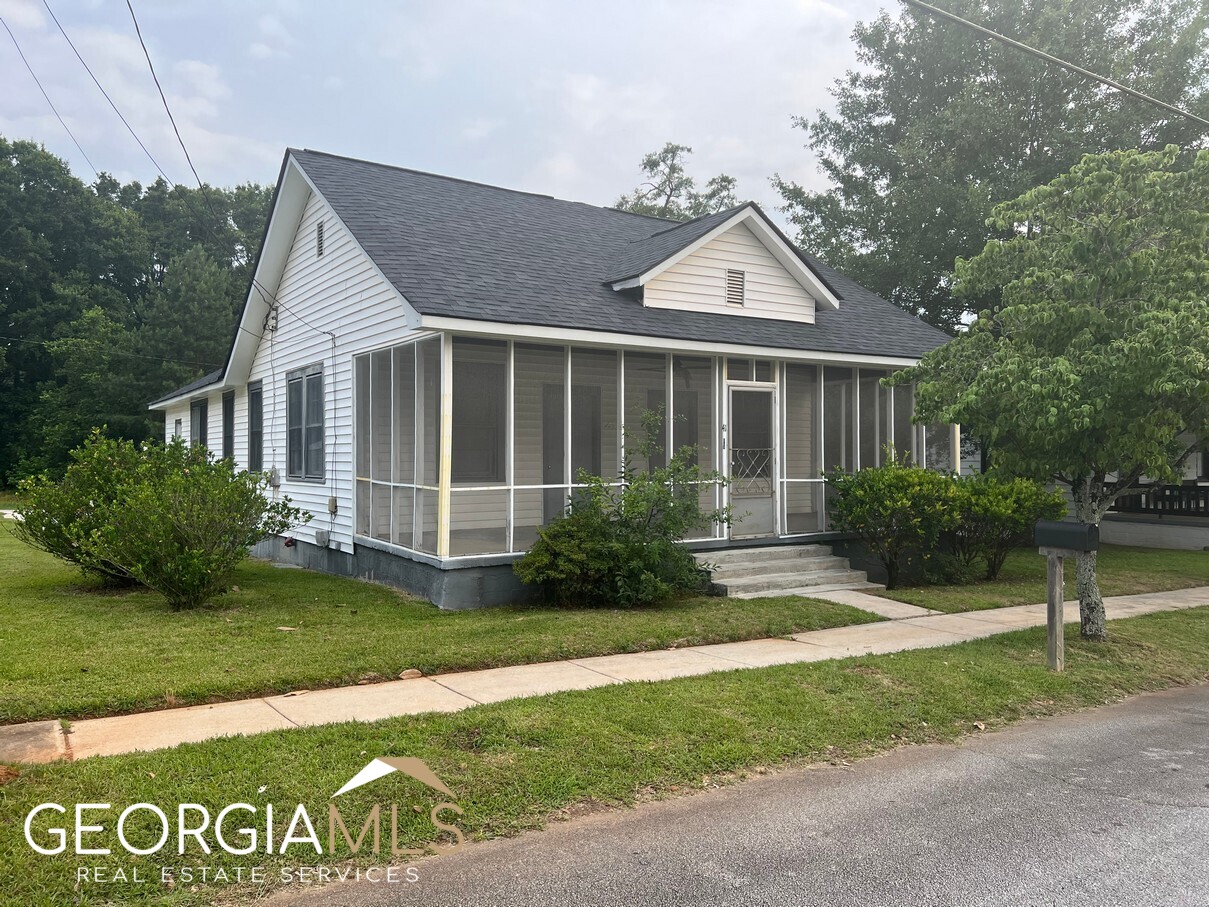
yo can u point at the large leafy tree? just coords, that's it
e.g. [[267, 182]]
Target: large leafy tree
[[670, 192], [1094, 370], [938, 125], [110, 295]]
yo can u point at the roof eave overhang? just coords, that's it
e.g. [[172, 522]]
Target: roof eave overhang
[[768, 234], [615, 339]]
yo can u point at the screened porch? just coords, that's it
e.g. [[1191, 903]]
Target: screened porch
[[467, 446]]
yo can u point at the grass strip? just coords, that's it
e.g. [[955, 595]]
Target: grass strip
[[70, 650], [516, 765]]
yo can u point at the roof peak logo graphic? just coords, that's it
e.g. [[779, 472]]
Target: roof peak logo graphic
[[384, 765]]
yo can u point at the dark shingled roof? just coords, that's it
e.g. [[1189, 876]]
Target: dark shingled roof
[[204, 381], [465, 250]]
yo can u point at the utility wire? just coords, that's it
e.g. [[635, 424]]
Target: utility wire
[[112, 352], [97, 81], [201, 185], [1050, 58], [45, 95]]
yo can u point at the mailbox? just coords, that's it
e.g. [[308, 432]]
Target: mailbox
[[1067, 535]]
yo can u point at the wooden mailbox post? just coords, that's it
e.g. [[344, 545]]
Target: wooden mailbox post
[[1058, 540]]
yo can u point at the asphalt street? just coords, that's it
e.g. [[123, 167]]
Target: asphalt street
[[1106, 807]]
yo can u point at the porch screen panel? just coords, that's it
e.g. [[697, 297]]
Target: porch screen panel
[[539, 438], [594, 445], [388, 436], [904, 431], [693, 421], [939, 452], [873, 418], [364, 444], [802, 495], [380, 416], [645, 391], [478, 519], [404, 415], [838, 411]]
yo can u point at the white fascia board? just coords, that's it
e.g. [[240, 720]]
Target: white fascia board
[[270, 265], [195, 394], [789, 259], [612, 340], [411, 316]]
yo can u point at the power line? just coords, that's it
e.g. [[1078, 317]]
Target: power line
[[111, 352], [160, 88], [97, 81], [45, 95], [1050, 58], [201, 185]]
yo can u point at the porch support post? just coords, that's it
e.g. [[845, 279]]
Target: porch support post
[[955, 447], [445, 475]]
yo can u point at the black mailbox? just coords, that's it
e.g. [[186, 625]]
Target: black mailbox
[[1063, 534]]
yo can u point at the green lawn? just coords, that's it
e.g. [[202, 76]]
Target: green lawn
[[516, 765], [9, 500], [1121, 571], [68, 650]]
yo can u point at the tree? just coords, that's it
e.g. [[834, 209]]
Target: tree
[[670, 192], [939, 125], [110, 295], [1094, 371]]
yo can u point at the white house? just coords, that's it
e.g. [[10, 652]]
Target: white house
[[425, 364]]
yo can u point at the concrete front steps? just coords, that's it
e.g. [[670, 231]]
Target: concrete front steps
[[781, 570]]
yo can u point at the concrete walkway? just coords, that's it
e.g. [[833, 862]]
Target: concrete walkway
[[45, 742]]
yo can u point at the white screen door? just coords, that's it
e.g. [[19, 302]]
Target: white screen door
[[751, 463]]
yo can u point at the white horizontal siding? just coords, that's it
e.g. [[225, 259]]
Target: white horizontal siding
[[343, 293], [698, 283]]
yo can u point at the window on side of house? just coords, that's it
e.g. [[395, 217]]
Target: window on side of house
[[228, 425], [199, 415], [255, 427], [178, 428], [305, 424]]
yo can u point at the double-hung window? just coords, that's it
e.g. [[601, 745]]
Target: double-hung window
[[255, 427], [304, 424], [228, 425], [199, 415]]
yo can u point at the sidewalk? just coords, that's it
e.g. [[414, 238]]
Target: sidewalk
[[44, 741]]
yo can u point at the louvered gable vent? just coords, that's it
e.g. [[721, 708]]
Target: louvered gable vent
[[734, 286]]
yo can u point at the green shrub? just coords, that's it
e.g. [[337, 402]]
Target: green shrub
[[996, 515], [60, 517], [899, 511], [168, 516], [617, 545], [185, 520]]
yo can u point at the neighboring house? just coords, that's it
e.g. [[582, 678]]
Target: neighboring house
[[426, 364], [1164, 516]]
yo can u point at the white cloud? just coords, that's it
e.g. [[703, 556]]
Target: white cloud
[[21, 14], [479, 128], [259, 51]]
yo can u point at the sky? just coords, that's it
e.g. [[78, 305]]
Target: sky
[[560, 98]]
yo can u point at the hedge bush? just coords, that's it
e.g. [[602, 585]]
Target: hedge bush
[[997, 515], [616, 546], [170, 517], [899, 511], [61, 517], [904, 512]]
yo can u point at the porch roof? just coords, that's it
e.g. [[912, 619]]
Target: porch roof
[[458, 249]]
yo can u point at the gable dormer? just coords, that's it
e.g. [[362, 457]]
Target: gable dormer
[[735, 263]]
